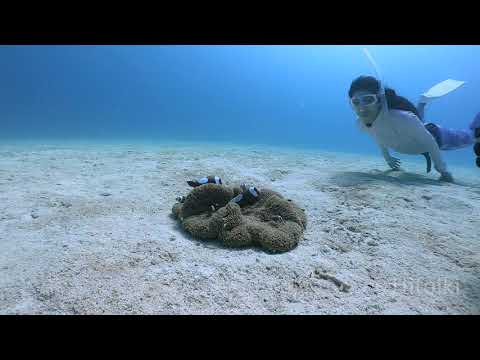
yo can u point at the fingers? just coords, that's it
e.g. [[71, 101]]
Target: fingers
[[446, 176], [394, 163]]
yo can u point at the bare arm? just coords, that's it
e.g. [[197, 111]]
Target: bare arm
[[394, 163], [385, 152], [439, 164], [421, 111]]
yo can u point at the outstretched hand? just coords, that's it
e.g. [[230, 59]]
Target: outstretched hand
[[394, 163], [446, 177]]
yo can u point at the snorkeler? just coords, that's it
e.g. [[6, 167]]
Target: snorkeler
[[394, 122]]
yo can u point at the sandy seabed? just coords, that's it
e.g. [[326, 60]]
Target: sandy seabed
[[86, 229]]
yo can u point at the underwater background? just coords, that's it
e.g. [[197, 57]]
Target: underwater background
[[290, 96]]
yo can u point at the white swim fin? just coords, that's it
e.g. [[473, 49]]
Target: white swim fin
[[441, 89]]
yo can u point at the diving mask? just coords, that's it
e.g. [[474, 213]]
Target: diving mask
[[364, 100]]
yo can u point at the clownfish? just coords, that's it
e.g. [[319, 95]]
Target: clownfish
[[205, 180], [247, 196]]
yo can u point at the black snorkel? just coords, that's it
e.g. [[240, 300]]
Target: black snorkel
[[476, 148]]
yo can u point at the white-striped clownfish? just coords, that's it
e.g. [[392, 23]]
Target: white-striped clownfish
[[249, 195], [205, 180]]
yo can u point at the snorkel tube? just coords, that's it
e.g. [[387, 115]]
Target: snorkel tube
[[379, 78], [476, 148]]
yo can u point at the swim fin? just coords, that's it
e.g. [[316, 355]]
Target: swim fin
[[429, 161], [441, 89]]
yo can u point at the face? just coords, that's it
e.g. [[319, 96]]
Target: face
[[366, 107]]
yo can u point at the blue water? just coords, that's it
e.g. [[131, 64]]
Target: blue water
[[293, 96]]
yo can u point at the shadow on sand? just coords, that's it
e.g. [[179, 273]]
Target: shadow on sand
[[217, 245], [399, 178]]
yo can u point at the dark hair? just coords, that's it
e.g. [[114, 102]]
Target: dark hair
[[394, 101]]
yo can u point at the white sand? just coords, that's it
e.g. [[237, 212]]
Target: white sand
[[402, 243]]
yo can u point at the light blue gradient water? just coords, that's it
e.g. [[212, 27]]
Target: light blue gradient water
[[293, 96]]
